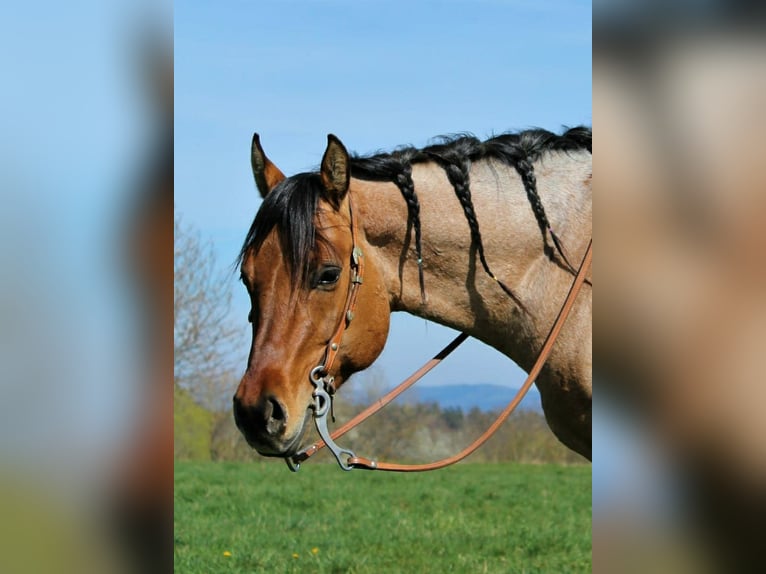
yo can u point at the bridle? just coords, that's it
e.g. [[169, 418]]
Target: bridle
[[324, 383], [324, 387]]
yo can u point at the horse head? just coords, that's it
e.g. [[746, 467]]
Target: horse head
[[300, 265]]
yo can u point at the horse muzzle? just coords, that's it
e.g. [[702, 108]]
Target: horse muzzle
[[264, 426]]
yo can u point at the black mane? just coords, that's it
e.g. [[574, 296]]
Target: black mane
[[510, 148], [291, 206]]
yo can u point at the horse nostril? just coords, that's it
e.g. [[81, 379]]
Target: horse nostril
[[267, 418], [274, 415], [277, 412]]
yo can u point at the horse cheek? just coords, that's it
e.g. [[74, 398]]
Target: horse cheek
[[371, 332]]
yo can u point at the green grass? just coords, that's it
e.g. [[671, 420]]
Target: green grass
[[467, 518]]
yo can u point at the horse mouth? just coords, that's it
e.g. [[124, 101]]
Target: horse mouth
[[285, 448]]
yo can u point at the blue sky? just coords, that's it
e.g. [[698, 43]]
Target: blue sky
[[378, 75]]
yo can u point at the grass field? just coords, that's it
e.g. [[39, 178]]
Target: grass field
[[246, 517]]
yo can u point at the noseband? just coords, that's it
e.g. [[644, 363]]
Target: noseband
[[324, 383]]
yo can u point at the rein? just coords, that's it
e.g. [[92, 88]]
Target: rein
[[324, 387]]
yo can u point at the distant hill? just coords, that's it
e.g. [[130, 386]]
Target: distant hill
[[484, 396]]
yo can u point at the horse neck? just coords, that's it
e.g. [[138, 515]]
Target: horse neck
[[459, 293]]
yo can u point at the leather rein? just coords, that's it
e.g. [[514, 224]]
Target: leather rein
[[324, 387]]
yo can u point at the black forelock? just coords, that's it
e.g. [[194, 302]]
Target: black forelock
[[289, 208]]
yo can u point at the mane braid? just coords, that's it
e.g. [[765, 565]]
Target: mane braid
[[520, 151], [457, 167], [527, 174], [396, 167]]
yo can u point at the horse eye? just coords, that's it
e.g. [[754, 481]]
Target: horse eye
[[328, 276]]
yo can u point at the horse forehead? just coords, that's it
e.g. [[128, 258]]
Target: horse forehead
[[328, 218], [258, 263]]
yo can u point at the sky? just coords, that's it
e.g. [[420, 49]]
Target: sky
[[378, 75]]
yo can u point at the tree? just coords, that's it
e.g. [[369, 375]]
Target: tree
[[192, 427], [203, 334]]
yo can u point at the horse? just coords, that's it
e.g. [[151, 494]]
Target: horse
[[475, 235]]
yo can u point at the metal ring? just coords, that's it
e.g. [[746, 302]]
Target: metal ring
[[322, 402], [317, 375], [292, 465]]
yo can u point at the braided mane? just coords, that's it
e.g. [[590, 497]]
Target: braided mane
[[291, 205], [455, 155]]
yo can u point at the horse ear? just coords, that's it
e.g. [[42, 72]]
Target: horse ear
[[335, 170], [266, 174]]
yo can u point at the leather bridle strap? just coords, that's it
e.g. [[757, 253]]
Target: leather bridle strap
[[383, 401], [368, 464], [357, 274]]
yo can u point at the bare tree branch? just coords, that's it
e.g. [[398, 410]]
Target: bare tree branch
[[203, 334]]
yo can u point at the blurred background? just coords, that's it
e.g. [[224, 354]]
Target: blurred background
[[679, 471], [85, 230], [86, 185]]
